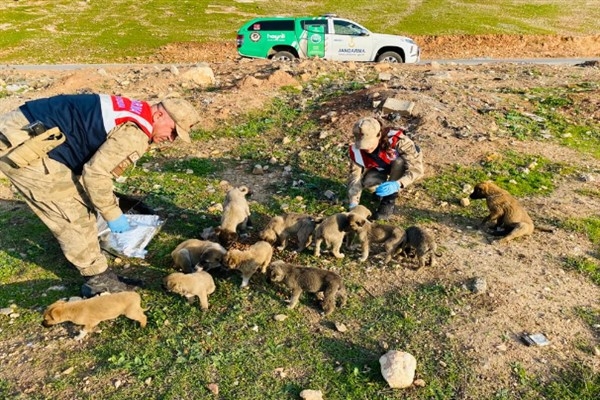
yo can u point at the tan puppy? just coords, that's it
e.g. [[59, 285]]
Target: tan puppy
[[421, 242], [257, 256], [333, 229], [90, 312], [505, 211], [281, 228], [193, 253], [236, 213], [371, 232], [312, 280], [197, 284]]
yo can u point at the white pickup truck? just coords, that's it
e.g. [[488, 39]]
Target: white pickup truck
[[327, 37]]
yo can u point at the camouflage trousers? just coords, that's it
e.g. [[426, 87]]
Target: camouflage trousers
[[56, 196], [373, 178]]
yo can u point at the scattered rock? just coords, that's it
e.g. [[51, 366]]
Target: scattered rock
[[340, 327], [213, 388], [478, 285], [398, 368], [309, 394]]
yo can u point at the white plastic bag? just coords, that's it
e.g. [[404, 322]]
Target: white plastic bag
[[133, 242]]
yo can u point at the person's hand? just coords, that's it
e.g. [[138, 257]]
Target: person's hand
[[351, 206], [119, 225], [387, 188]]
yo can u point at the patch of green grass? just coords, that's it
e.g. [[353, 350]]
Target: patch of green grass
[[585, 266], [574, 381], [39, 31], [550, 120], [520, 174], [238, 345], [590, 226]]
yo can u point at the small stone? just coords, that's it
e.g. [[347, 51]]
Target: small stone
[[465, 202], [68, 371], [214, 388], [419, 383], [280, 317], [340, 327], [309, 394]]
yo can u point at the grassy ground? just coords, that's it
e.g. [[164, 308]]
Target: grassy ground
[[43, 31], [238, 344]]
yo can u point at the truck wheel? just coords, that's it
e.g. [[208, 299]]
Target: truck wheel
[[390, 57], [283, 56]]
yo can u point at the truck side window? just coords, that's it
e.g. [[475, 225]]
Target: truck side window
[[273, 25], [346, 28], [308, 24]]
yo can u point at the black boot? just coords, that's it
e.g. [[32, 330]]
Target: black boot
[[108, 281], [386, 207]]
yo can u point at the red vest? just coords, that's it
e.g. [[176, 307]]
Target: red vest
[[366, 160], [117, 110]]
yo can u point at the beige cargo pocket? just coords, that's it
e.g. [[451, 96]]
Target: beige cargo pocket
[[36, 147]]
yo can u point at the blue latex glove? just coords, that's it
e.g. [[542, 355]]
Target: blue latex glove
[[387, 188], [119, 225], [351, 206]]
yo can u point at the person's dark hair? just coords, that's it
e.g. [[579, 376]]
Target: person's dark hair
[[384, 143]]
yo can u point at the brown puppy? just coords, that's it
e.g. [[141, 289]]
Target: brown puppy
[[333, 229], [193, 253], [90, 312], [361, 211], [421, 242], [257, 256], [197, 284], [312, 280], [371, 232], [281, 228], [236, 214], [505, 211]]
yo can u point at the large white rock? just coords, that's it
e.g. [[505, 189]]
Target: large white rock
[[398, 368], [202, 75]]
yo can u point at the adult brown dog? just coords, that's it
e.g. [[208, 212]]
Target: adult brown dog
[[505, 211], [236, 214], [258, 256], [372, 232], [198, 284], [333, 229], [281, 228], [194, 253], [90, 312], [312, 280]]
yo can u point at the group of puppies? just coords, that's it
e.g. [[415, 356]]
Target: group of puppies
[[195, 258]]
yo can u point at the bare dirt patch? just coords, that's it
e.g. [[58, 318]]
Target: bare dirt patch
[[432, 47]]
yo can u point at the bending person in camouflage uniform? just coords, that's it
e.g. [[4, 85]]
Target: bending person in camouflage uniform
[[383, 161], [65, 174]]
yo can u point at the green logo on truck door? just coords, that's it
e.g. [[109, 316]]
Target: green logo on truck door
[[316, 40]]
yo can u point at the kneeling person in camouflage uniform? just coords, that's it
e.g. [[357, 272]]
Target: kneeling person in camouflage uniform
[[383, 161], [61, 153]]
